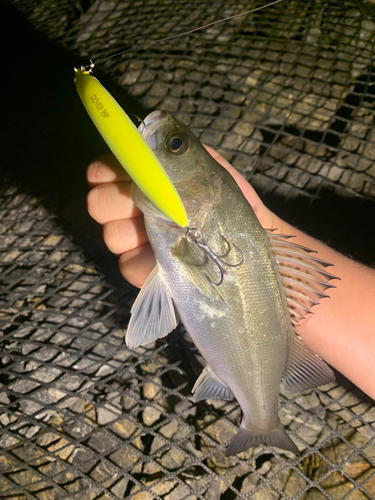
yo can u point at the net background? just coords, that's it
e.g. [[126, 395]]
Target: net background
[[285, 94]]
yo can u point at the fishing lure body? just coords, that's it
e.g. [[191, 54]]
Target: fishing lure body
[[129, 147]]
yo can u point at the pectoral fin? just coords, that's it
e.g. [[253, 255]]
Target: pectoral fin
[[153, 313], [209, 386], [305, 369]]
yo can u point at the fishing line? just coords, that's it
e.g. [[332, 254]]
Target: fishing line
[[148, 44]]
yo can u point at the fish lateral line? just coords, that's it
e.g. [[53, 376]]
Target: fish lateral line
[[178, 35], [194, 236]]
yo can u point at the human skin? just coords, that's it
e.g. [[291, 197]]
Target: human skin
[[342, 328]]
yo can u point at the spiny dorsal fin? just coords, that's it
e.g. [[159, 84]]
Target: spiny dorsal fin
[[304, 276], [305, 370], [153, 313], [209, 386]]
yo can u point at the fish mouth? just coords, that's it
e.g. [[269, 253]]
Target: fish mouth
[[153, 117]]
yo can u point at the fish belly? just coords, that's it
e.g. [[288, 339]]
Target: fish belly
[[246, 356]]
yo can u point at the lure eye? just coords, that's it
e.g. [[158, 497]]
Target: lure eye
[[178, 144]]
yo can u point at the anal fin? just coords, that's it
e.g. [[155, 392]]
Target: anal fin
[[153, 313], [209, 386]]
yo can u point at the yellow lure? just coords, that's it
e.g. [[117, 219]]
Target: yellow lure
[[129, 147]]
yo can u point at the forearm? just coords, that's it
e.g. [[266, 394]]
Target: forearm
[[342, 328]]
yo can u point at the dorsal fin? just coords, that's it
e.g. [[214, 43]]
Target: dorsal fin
[[304, 276], [305, 370]]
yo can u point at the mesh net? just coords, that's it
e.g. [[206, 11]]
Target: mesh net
[[287, 95]]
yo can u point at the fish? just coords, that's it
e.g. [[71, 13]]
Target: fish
[[238, 289]]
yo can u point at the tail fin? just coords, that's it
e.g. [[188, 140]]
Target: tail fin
[[244, 439]]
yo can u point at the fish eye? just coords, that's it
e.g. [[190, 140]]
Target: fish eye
[[178, 143]]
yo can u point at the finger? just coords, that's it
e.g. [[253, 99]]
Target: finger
[[105, 169], [136, 265], [123, 235], [108, 202]]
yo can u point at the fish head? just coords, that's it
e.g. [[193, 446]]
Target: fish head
[[192, 170]]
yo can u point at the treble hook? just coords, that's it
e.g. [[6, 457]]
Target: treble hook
[[193, 235]]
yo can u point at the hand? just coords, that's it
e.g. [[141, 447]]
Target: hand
[[342, 329], [110, 204]]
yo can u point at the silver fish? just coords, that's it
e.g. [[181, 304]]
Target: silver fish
[[244, 327]]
